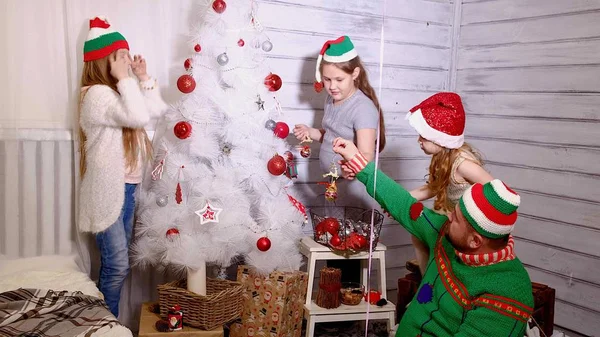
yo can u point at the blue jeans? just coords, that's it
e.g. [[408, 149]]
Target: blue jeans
[[113, 244]]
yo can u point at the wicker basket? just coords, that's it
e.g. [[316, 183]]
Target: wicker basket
[[222, 304], [352, 221]]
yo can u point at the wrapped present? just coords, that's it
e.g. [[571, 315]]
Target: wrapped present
[[272, 305]]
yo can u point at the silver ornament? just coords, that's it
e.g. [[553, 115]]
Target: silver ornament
[[267, 46], [223, 59], [162, 201], [270, 124]]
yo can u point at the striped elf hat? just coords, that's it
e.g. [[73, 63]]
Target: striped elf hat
[[491, 208], [335, 51], [102, 40]]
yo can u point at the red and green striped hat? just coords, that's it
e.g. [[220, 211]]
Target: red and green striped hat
[[335, 51], [102, 40], [491, 208]]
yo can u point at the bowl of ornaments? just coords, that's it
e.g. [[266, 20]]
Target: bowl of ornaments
[[346, 230]]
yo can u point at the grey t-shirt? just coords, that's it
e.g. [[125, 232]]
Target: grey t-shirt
[[357, 112]]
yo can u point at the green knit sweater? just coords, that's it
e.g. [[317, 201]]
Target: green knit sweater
[[454, 297]]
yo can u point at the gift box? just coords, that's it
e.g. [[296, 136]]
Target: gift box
[[272, 305]]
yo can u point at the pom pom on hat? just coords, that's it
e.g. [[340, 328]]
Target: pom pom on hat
[[102, 40], [440, 119], [491, 208]]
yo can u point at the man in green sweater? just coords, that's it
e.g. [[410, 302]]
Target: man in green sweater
[[474, 285]]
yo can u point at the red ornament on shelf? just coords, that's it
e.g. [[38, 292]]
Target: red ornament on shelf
[[273, 82], [276, 165], [263, 244], [241, 43], [182, 130], [373, 297], [330, 225], [186, 84], [335, 241], [197, 48], [172, 233], [187, 64], [281, 130], [318, 86], [219, 6]]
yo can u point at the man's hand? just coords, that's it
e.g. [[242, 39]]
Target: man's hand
[[345, 148]]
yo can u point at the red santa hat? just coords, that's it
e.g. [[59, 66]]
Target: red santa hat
[[440, 119]]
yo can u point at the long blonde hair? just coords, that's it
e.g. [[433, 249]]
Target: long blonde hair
[[98, 72], [362, 83], [440, 171]]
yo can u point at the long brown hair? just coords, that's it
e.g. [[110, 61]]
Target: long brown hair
[[362, 83], [440, 170], [98, 72]]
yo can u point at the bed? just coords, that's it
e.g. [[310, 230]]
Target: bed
[[51, 296]]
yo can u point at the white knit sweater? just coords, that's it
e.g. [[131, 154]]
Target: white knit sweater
[[103, 115]]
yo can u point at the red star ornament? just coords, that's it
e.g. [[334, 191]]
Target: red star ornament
[[209, 213]]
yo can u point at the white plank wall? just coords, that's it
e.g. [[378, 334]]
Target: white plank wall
[[36, 198], [528, 71], [416, 60]]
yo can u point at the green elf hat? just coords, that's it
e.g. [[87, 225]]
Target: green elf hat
[[335, 51], [102, 40], [491, 208]]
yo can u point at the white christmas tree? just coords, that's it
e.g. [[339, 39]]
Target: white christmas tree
[[218, 187]]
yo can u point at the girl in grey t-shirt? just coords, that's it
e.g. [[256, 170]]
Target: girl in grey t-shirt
[[352, 111]]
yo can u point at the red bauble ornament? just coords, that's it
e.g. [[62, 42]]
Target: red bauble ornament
[[288, 156], [281, 130], [187, 64], [415, 210], [318, 86], [305, 152], [330, 225], [197, 48], [182, 130], [263, 244], [373, 297], [241, 43], [171, 233], [276, 165], [186, 84], [362, 241], [335, 241], [219, 6], [273, 82]]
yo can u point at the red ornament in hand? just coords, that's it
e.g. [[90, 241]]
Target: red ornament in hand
[[273, 82], [219, 6], [305, 152], [197, 48], [187, 64], [281, 130], [276, 165], [263, 244], [186, 84], [182, 130]]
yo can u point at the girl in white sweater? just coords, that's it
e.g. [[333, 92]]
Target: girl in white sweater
[[114, 147]]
